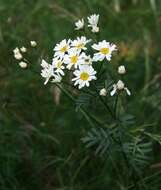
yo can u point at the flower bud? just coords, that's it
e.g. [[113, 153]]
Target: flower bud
[[16, 50], [23, 49], [33, 43], [121, 69], [103, 92], [18, 56], [23, 65], [120, 85]]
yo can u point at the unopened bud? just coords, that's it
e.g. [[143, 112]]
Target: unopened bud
[[33, 43], [121, 69], [120, 85], [103, 92], [18, 56], [23, 65], [23, 49], [16, 50]]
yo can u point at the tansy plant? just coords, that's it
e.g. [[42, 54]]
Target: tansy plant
[[82, 69]]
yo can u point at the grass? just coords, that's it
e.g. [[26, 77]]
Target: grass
[[40, 130]]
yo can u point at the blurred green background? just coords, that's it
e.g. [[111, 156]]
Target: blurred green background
[[40, 131]]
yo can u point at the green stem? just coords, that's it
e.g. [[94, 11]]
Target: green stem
[[86, 92], [99, 70], [105, 104], [107, 107], [129, 166], [65, 92], [87, 116], [115, 106]]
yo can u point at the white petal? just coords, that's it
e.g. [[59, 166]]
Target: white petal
[[108, 57], [87, 83], [128, 91], [46, 81], [113, 92], [44, 63], [96, 47], [98, 57]]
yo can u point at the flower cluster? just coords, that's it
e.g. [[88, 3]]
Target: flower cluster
[[18, 54], [79, 57], [72, 55], [119, 86]]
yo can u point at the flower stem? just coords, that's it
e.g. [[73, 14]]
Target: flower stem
[[87, 116], [105, 104]]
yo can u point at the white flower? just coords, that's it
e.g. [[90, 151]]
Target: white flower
[[23, 49], [93, 22], [84, 75], [33, 43], [103, 92], [23, 65], [58, 66], [105, 50], [80, 43], [74, 58], [121, 69], [18, 56], [62, 48], [48, 72], [120, 86], [79, 24]]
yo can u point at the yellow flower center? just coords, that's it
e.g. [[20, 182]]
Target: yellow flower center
[[84, 76], [59, 64], [64, 49], [74, 59], [81, 45], [104, 51]]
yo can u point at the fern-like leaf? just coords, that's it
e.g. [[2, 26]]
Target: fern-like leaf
[[100, 139], [138, 153]]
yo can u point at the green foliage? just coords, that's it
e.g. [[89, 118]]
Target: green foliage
[[83, 100], [138, 153], [40, 145], [101, 139], [107, 141], [154, 137]]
